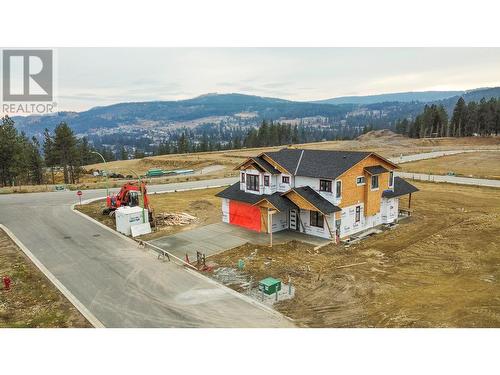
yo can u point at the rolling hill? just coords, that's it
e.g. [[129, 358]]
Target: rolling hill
[[247, 110]]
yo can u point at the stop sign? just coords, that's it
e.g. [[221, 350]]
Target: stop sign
[[79, 193]]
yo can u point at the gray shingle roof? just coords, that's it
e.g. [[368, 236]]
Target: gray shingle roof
[[316, 200], [317, 163], [233, 192], [401, 187], [265, 165], [376, 169]]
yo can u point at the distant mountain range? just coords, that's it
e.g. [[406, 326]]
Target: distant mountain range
[[402, 97], [244, 110]]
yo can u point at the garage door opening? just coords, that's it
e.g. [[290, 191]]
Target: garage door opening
[[244, 215]]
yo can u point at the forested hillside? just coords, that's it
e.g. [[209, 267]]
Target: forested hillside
[[472, 118]]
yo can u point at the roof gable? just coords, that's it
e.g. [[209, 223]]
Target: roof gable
[[317, 163]]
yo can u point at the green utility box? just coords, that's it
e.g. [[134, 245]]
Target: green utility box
[[269, 285]]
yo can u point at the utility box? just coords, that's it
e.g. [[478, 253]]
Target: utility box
[[269, 285], [126, 217]]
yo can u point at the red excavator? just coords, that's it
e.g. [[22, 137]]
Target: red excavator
[[128, 196]]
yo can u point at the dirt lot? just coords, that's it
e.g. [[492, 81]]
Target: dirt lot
[[440, 268], [474, 164], [32, 301], [203, 204]]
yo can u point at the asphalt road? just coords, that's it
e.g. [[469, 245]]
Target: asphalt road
[[122, 285], [449, 179]]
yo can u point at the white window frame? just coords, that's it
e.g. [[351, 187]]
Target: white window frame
[[391, 179], [357, 214], [363, 183], [336, 192], [371, 182]]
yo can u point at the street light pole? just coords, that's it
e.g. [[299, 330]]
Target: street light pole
[[107, 171]]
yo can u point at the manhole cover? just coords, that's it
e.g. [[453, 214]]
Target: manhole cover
[[96, 235]]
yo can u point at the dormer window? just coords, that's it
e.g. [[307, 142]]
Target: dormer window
[[266, 180], [243, 178], [285, 179], [253, 182], [391, 179]]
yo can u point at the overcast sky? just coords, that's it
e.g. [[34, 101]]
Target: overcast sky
[[89, 77]]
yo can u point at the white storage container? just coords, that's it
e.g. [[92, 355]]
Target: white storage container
[[126, 217]]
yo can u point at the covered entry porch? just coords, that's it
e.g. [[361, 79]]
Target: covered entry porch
[[314, 214]]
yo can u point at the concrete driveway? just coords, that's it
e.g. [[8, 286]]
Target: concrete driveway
[[215, 238]]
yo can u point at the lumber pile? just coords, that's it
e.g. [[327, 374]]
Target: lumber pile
[[174, 218]]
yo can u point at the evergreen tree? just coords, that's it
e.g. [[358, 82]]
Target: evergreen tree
[[65, 149], [49, 152], [124, 154], [459, 118], [35, 162], [183, 144], [9, 151]]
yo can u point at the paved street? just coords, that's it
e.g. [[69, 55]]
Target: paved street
[[430, 155], [122, 285], [449, 179]]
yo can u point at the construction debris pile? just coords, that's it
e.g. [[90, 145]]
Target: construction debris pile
[[174, 218]]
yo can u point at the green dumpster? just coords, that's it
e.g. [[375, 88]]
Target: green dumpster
[[155, 172], [269, 285]]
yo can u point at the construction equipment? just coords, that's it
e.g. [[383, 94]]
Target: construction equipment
[[129, 195]]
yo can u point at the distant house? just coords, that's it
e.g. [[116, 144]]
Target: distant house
[[328, 194]]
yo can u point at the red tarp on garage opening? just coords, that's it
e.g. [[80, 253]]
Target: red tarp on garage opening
[[244, 215]]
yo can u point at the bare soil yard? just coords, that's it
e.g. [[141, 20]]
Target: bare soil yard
[[474, 164], [440, 268], [203, 204], [33, 301]]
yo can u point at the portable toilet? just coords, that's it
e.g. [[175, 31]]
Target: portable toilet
[[270, 285], [126, 217]]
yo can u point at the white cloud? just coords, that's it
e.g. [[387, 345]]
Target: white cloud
[[90, 77]]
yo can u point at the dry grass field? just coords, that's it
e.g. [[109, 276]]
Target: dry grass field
[[33, 301], [203, 204], [383, 142], [439, 268], [475, 164]]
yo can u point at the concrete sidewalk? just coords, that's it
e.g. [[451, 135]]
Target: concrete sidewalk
[[215, 238]]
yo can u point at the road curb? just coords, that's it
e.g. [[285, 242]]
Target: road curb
[[193, 272], [78, 305]]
